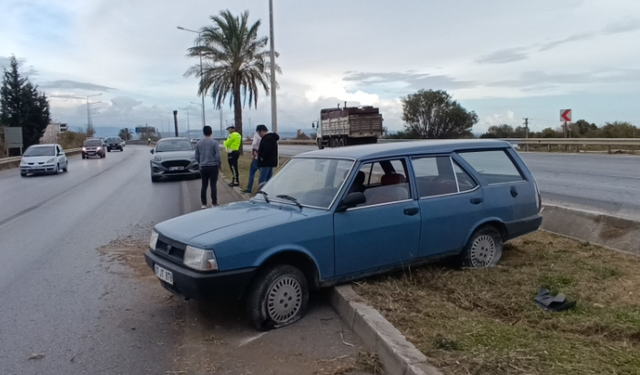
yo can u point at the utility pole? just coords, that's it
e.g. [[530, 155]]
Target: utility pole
[[526, 132], [274, 107], [175, 122]]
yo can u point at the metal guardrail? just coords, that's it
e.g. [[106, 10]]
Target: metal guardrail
[[7, 162]]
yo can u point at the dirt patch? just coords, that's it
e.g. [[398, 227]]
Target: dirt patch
[[485, 321], [128, 251]]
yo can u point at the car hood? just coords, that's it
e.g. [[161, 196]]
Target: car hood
[[205, 228], [36, 159], [175, 155]]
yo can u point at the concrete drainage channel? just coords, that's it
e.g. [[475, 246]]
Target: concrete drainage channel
[[399, 357]]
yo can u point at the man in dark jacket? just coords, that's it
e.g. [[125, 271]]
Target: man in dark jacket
[[267, 153]]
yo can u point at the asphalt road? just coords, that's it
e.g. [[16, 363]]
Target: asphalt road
[[77, 298], [596, 182]]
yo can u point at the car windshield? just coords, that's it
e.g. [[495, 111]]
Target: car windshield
[[312, 182], [174, 145], [40, 151], [93, 142]]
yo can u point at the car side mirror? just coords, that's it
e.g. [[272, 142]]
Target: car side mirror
[[351, 200], [151, 151]]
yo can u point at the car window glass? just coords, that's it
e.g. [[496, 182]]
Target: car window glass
[[465, 182], [40, 151], [434, 176], [382, 182], [494, 166], [174, 145]]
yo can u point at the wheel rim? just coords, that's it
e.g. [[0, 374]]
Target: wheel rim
[[284, 299], [483, 251]]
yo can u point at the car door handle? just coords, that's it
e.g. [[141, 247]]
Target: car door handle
[[476, 200], [411, 211], [514, 191]]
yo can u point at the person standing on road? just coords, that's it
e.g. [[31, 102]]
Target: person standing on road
[[233, 144], [208, 157], [267, 153], [253, 168]]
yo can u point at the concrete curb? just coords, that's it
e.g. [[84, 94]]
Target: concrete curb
[[609, 231], [398, 356], [235, 190]]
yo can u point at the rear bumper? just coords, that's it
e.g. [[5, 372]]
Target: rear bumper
[[521, 227], [202, 286]]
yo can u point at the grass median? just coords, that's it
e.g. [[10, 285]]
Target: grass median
[[243, 169], [484, 321]]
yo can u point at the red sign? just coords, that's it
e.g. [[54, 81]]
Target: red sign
[[565, 115]]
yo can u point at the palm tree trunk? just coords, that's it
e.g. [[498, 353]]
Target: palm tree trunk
[[237, 109]]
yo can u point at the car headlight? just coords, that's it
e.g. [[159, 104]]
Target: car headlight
[[51, 161], [157, 158], [198, 259], [84, 149], [153, 241]]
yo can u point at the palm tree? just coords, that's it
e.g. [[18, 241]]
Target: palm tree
[[235, 62]]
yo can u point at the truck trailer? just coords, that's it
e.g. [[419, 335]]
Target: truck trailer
[[349, 126]]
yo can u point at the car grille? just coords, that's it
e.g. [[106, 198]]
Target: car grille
[[175, 163], [170, 249]]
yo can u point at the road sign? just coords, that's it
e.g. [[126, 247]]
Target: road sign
[[13, 137], [565, 115]]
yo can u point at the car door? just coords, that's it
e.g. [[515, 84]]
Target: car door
[[61, 157], [383, 232], [451, 203], [507, 194]]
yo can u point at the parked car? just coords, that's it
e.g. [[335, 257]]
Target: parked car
[[173, 157], [333, 216], [114, 143], [46, 158], [94, 147]]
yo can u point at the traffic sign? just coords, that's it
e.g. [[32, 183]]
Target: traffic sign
[[565, 115]]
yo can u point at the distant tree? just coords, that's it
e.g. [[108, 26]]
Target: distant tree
[[434, 114], [70, 139], [549, 133], [301, 136], [583, 128], [403, 134], [499, 131], [125, 135], [22, 105], [236, 62], [619, 129]]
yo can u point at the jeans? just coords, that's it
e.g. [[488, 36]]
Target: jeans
[[209, 177], [265, 174], [253, 168], [233, 164]]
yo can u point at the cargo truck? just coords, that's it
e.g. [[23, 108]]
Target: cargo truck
[[348, 126]]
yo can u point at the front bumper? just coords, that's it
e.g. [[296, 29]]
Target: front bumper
[[159, 170], [202, 286], [37, 168]]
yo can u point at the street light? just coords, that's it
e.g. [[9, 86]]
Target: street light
[[201, 76], [274, 108]]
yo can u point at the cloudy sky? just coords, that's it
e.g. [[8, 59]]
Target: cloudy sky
[[503, 59]]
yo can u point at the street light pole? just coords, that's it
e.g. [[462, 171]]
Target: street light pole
[[201, 76], [274, 107]]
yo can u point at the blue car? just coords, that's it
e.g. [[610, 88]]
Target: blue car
[[342, 214]]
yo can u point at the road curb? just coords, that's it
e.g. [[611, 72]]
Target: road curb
[[612, 232], [398, 356], [237, 192]]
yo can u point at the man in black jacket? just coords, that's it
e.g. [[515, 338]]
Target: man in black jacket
[[267, 153]]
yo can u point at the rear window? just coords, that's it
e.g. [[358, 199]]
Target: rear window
[[495, 166]]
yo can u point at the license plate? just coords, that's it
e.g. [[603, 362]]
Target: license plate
[[164, 275], [176, 168]]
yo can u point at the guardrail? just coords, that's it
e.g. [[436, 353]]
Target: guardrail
[[14, 161]]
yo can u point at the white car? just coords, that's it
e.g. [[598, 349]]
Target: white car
[[47, 158]]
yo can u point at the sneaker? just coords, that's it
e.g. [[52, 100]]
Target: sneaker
[[203, 207], [234, 184]]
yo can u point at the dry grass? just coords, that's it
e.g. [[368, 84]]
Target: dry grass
[[243, 167], [484, 321]]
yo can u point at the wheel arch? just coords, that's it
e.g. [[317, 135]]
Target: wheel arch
[[297, 258]]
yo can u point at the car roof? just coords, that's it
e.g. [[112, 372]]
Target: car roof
[[381, 150], [173, 139], [44, 145]]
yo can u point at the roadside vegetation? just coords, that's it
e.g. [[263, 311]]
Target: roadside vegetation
[[485, 321]]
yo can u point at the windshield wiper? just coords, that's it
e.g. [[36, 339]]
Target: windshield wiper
[[290, 198], [266, 196]]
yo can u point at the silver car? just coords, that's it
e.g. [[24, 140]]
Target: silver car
[[173, 157], [47, 158]]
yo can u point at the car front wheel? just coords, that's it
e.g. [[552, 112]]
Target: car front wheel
[[278, 297], [484, 248]]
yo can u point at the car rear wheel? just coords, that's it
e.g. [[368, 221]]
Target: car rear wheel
[[278, 297], [484, 248], [66, 166]]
